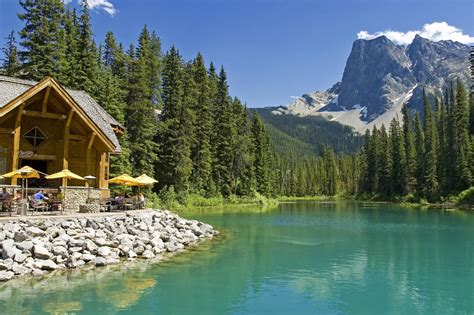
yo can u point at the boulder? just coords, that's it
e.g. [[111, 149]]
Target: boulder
[[103, 251], [46, 264], [60, 250], [100, 261], [148, 254], [6, 275], [34, 231], [41, 252], [20, 257], [25, 245], [20, 269], [87, 257]]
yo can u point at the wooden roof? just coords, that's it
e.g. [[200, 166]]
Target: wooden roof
[[15, 91]]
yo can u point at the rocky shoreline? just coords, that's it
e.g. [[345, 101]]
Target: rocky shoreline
[[34, 247]]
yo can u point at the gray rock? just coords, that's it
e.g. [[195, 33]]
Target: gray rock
[[91, 246], [148, 254], [87, 257], [6, 275], [100, 261], [20, 269], [100, 241], [60, 250], [103, 251], [37, 272], [53, 231], [76, 242], [47, 264], [25, 245], [20, 257], [34, 231], [6, 264], [41, 252]]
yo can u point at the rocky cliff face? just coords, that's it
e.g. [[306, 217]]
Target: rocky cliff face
[[380, 77]]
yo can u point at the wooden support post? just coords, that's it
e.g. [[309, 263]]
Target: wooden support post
[[16, 141], [45, 99], [66, 143], [102, 170], [89, 154]]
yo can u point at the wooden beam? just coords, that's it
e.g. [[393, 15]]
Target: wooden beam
[[67, 125], [16, 140], [89, 153], [77, 137], [7, 131], [33, 113], [45, 99]]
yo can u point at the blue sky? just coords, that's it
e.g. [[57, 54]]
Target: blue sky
[[272, 50]]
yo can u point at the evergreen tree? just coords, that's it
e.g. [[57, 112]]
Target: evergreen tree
[[420, 153], [86, 74], [140, 119], [68, 64], [201, 150], [399, 169], [174, 165], [224, 136], [430, 180], [11, 63], [385, 164], [261, 152], [462, 150], [40, 37], [410, 152]]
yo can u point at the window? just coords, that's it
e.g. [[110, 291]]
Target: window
[[35, 137]]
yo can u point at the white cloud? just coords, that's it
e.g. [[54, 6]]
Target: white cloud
[[105, 5], [435, 32], [296, 97]]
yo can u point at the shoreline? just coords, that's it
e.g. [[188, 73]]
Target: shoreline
[[36, 246]]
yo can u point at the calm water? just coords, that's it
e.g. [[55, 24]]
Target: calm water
[[302, 258]]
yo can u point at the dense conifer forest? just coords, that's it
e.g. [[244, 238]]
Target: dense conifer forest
[[184, 128]]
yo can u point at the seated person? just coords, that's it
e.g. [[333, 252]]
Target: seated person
[[39, 196], [4, 194]]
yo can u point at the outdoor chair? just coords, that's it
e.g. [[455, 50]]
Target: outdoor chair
[[105, 205], [128, 204], [38, 205]]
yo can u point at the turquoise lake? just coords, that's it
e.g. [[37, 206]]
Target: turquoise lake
[[301, 258]]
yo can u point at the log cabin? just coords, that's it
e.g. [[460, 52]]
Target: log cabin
[[50, 128]]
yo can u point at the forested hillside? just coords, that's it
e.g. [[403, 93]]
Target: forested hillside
[[316, 131]]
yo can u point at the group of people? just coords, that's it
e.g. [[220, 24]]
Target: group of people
[[119, 200], [8, 200]]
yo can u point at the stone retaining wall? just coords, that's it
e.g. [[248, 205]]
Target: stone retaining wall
[[33, 247], [77, 195]]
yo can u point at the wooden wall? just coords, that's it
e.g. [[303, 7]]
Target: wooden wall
[[86, 155]]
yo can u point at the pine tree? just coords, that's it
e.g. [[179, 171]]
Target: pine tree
[[430, 180], [462, 150], [140, 120], [40, 37], [86, 74], [261, 153], [11, 63], [399, 170], [68, 64], [201, 150], [420, 154], [174, 165], [385, 164], [410, 152], [224, 136]]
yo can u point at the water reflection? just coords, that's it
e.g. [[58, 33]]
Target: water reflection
[[302, 258]]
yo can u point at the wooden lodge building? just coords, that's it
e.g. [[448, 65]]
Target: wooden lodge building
[[50, 128]]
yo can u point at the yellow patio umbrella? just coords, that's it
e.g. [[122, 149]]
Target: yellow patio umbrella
[[144, 179], [65, 174], [125, 180], [24, 173]]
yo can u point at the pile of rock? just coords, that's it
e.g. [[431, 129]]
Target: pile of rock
[[37, 246]]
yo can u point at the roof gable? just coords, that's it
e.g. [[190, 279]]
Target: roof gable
[[14, 91]]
